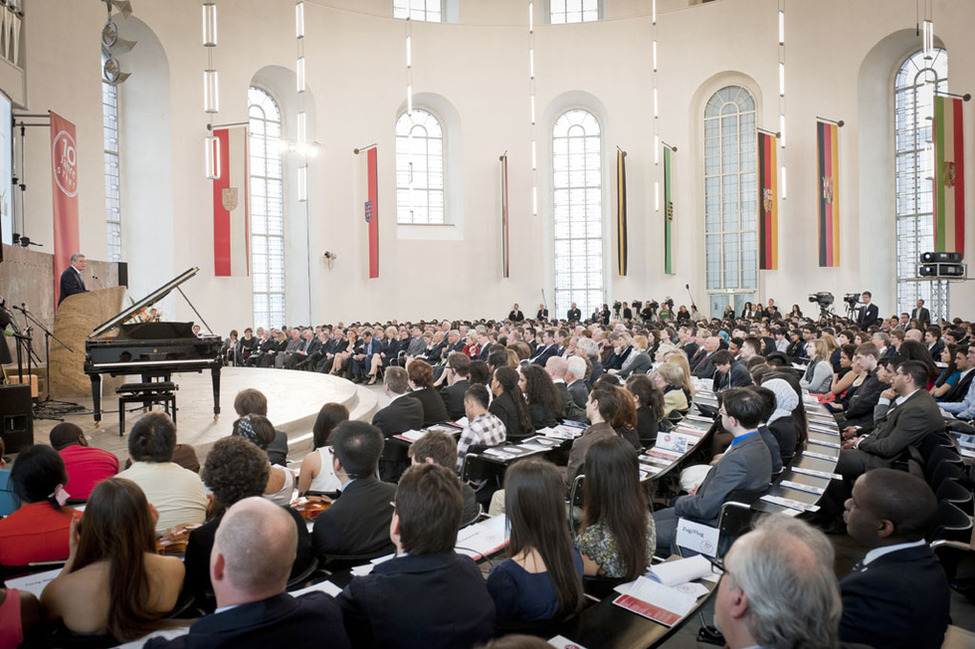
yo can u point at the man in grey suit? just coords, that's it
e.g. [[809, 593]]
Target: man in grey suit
[[556, 367], [745, 467], [575, 374]]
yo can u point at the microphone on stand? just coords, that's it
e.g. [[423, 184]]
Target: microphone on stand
[[96, 278], [688, 287]]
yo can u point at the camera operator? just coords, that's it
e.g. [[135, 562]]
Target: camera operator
[[649, 310], [869, 312]]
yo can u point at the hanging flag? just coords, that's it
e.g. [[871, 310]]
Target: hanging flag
[[829, 195], [949, 175], [504, 216], [621, 211], [668, 210], [371, 207], [64, 176], [768, 203], [231, 227]]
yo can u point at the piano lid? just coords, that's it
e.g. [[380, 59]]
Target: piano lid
[[144, 303]]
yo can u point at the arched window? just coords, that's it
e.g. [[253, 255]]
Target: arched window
[[113, 200], [914, 89], [430, 11], [266, 208], [578, 212], [730, 203], [573, 11], [419, 169]]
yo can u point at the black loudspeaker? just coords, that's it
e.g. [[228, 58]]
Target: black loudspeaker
[[123, 274], [945, 257], [16, 417]]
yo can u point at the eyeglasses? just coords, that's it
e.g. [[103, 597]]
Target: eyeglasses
[[717, 565], [722, 412]]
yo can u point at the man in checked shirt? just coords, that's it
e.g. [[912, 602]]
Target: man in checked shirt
[[482, 428]]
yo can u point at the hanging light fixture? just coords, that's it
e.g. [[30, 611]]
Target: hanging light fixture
[[211, 89]]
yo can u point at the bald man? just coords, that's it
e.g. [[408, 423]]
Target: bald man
[[778, 588], [249, 567], [898, 595]]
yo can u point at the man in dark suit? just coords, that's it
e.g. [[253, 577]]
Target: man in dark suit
[[574, 314], [402, 414], [72, 281], [729, 374], [557, 367], [869, 313], [428, 595], [251, 586], [549, 348], [921, 314], [458, 367], [515, 315], [897, 597], [859, 409], [704, 369], [964, 362], [357, 523], [575, 375], [934, 343]]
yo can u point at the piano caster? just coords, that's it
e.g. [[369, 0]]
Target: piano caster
[[98, 424], [216, 417]]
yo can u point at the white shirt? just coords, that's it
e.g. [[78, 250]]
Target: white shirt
[[876, 553]]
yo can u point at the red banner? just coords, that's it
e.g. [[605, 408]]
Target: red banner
[[230, 217], [372, 212], [64, 176]]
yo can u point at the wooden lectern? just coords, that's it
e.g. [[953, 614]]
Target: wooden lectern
[[76, 318]]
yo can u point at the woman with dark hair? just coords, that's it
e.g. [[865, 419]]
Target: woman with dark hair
[[950, 375], [617, 537], [38, 531], [796, 312], [234, 469], [649, 402], [544, 401], [848, 374], [421, 380], [316, 472], [541, 579], [912, 350], [114, 582], [259, 430], [509, 404]]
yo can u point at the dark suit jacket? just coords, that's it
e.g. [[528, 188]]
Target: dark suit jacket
[[570, 409], [960, 389], [936, 350], [923, 316], [504, 408], [899, 601], [736, 377], [903, 425], [403, 414], [282, 619], [864, 399], [424, 601], [434, 411], [358, 520], [579, 392], [868, 316], [71, 283], [453, 398], [580, 446], [704, 369], [574, 315], [640, 365], [277, 451], [516, 316], [541, 357]]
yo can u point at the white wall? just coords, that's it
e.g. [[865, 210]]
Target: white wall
[[355, 54]]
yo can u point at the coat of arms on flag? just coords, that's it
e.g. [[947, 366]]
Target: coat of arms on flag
[[949, 170], [229, 198], [827, 190]]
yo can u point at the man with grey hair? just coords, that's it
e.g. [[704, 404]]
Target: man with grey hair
[[72, 281], [575, 374], [779, 589], [250, 562], [401, 415], [556, 367], [589, 347]]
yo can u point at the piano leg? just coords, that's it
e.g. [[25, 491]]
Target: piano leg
[[96, 397], [215, 378]]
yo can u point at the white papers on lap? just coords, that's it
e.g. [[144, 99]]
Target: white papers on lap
[[681, 571], [412, 435], [326, 587], [362, 571], [34, 583], [481, 539], [655, 601]]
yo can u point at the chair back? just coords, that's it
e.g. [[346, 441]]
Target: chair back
[[954, 492], [953, 524]]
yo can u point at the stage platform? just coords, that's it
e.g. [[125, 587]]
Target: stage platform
[[294, 399]]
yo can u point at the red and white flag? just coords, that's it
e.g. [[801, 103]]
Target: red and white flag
[[64, 176], [367, 178], [231, 227]]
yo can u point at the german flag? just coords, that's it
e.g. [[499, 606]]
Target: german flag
[[768, 204], [621, 210], [829, 195], [669, 210], [949, 176]]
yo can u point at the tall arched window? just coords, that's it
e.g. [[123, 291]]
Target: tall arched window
[[113, 200], [573, 11], [730, 203], [578, 211], [430, 11], [266, 208], [914, 89], [419, 169]]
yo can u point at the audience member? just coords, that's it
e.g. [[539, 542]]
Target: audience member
[[280, 485], [437, 447], [819, 374], [428, 595], [575, 376], [509, 404], [86, 466], [605, 404], [558, 369], [20, 616], [253, 402], [964, 407], [781, 423], [458, 366], [544, 402], [316, 473], [9, 501], [670, 379], [649, 403], [483, 428], [421, 380], [401, 414]]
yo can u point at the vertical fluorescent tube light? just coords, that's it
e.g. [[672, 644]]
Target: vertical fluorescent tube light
[[302, 183], [655, 56], [785, 185], [534, 157], [534, 201], [212, 156], [782, 131], [927, 36], [209, 24], [409, 51], [531, 17], [300, 19], [781, 27], [302, 128], [533, 109], [781, 79], [656, 108], [211, 92], [300, 73], [653, 12]]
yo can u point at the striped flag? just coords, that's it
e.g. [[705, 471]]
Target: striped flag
[[668, 210], [367, 184], [829, 195], [621, 211], [504, 216], [949, 176], [231, 249], [768, 203]]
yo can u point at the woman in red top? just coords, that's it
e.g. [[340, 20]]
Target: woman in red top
[[38, 531]]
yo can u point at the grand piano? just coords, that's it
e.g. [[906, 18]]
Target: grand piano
[[154, 350]]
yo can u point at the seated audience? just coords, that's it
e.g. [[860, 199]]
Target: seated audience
[[778, 588], [897, 597], [114, 582], [357, 523], [509, 404], [782, 423], [819, 374], [235, 469], [768, 407], [176, 493], [964, 407], [606, 404], [280, 485], [858, 408], [649, 402], [728, 372], [38, 531], [9, 501], [482, 429], [617, 537], [458, 366], [575, 376], [544, 402], [253, 609], [744, 467], [558, 369], [675, 385], [965, 362], [86, 466], [316, 472], [437, 447], [428, 595], [541, 579], [401, 414], [253, 402], [421, 381]]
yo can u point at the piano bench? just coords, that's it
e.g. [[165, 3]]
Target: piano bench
[[163, 392]]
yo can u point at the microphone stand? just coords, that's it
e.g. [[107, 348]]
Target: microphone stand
[[47, 352]]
